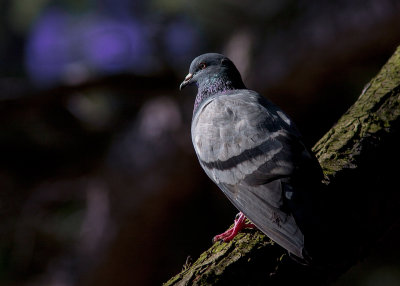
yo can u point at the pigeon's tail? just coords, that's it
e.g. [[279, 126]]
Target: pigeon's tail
[[308, 207], [262, 206], [287, 234]]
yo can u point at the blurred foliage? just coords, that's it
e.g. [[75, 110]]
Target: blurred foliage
[[100, 185]]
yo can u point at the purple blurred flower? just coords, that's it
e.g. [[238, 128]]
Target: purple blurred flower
[[111, 46], [48, 47], [62, 47]]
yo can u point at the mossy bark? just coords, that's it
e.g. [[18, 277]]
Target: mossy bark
[[374, 113], [356, 156]]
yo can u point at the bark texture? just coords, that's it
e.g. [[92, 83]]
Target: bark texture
[[359, 156]]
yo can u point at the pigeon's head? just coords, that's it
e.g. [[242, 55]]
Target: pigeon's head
[[214, 72]]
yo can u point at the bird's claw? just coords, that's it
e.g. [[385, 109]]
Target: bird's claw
[[240, 223]]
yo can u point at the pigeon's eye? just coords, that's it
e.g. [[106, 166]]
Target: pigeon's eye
[[202, 66]]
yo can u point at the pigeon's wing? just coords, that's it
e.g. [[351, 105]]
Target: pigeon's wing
[[251, 149]]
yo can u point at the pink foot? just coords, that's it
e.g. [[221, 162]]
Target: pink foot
[[240, 223]]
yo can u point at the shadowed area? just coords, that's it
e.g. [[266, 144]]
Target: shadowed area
[[99, 181]]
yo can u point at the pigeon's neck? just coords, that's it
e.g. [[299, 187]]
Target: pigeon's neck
[[213, 86]]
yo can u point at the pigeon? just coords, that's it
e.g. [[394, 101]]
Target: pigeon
[[255, 154]]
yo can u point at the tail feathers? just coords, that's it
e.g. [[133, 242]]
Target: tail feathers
[[263, 206], [286, 234]]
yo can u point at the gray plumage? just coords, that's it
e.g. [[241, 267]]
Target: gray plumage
[[251, 149]]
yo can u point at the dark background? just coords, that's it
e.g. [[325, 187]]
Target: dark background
[[99, 184]]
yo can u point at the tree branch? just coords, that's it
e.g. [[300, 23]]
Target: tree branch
[[356, 156]]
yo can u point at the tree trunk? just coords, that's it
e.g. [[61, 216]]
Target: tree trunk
[[359, 156]]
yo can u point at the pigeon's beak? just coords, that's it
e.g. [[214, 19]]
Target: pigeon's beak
[[186, 81]]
